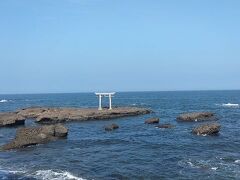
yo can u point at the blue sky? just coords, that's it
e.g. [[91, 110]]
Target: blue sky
[[119, 45]]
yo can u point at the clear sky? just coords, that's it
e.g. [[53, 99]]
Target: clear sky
[[119, 45]]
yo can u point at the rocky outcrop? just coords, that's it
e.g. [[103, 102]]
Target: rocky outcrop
[[152, 121], [111, 127], [11, 119], [56, 115], [196, 116], [207, 129], [36, 135], [59, 115], [165, 126]]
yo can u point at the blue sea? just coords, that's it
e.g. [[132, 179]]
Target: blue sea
[[135, 150]]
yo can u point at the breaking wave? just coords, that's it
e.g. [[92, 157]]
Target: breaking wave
[[214, 165], [3, 101], [229, 105], [139, 104], [54, 175], [237, 161], [201, 164], [40, 174]]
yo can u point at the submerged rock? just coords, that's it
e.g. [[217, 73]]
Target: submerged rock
[[111, 127], [207, 129], [196, 116], [152, 121], [165, 126], [36, 135], [11, 119]]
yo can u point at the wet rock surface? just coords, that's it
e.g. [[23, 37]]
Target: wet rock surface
[[152, 121], [207, 129], [111, 127], [196, 116], [36, 135]]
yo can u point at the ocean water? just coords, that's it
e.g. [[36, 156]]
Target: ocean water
[[135, 150]]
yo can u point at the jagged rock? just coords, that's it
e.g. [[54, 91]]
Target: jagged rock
[[196, 116], [152, 121], [165, 126], [111, 127], [207, 129], [36, 135], [11, 119]]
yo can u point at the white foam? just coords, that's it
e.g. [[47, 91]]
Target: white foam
[[230, 105], [3, 101], [43, 174], [214, 168], [237, 161], [190, 163], [54, 175]]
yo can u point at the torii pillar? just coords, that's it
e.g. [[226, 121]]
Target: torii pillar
[[109, 95]]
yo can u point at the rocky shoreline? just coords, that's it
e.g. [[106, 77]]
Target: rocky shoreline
[[53, 116]]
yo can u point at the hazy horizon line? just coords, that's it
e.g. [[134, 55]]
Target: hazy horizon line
[[130, 91]]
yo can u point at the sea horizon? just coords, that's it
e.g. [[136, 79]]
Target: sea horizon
[[146, 91]]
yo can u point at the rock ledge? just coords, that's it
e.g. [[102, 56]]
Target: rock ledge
[[60, 115]]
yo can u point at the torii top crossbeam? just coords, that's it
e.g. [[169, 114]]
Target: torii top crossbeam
[[100, 95]]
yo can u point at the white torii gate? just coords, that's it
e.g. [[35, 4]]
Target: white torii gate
[[100, 95]]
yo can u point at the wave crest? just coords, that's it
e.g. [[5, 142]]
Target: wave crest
[[229, 105], [54, 175]]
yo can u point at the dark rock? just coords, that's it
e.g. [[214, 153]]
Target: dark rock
[[11, 119], [196, 116], [165, 126], [207, 129], [111, 127], [152, 121], [36, 135]]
